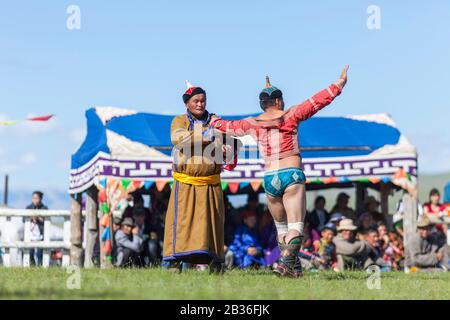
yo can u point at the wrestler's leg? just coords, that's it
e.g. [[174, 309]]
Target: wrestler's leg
[[294, 202], [278, 213]]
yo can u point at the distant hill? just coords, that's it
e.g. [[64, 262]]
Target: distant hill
[[427, 182]]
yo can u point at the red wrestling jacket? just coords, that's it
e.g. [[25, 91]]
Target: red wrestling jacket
[[278, 138]]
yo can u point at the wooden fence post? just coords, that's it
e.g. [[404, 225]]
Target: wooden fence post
[[91, 228], [76, 244]]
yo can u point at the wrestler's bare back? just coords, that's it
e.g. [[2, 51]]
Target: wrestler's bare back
[[288, 162]]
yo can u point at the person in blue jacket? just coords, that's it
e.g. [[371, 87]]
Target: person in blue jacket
[[246, 248]]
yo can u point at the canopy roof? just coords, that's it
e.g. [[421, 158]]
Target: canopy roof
[[126, 144]]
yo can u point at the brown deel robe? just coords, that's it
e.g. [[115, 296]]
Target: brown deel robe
[[194, 228]]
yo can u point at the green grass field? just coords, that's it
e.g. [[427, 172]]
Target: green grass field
[[38, 283]]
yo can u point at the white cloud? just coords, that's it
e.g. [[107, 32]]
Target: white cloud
[[77, 136], [28, 159]]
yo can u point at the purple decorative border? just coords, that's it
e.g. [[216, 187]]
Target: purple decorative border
[[246, 170]]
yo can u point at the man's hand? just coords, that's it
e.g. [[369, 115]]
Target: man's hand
[[213, 117], [343, 78], [135, 230], [439, 256], [252, 251]]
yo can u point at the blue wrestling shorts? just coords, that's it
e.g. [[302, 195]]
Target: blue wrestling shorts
[[276, 181]]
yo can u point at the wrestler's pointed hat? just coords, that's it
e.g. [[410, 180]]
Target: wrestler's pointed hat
[[191, 91], [270, 92]]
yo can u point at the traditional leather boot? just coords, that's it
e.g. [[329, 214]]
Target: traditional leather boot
[[289, 264]]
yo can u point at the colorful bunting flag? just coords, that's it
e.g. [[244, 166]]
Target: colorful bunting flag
[[224, 185], [170, 184], [148, 184], [244, 185], [330, 180], [106, 234], [255, 185], [103, 183], [137, 184], [102, 197], [160, 184], [386, 179], [107, 249], [125, 183], [34, 119], [7, 123], [233, 186], [104, 208], [41, 118], [374, 180], [104, 220]]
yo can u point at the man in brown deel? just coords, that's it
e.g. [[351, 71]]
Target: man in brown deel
[[194, 228]]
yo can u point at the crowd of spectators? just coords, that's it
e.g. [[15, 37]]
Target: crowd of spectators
[[337, 240], [341, 239]]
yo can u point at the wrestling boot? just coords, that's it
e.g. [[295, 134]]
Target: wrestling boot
[[175, 266], [216, 268], [289, 264]]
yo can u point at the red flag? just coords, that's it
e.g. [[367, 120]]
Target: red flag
[[41, 118]]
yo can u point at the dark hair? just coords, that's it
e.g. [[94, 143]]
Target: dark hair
[[39, 194], [370, 230], [434, 192], [267, 103], [319, 198], [381, 223]]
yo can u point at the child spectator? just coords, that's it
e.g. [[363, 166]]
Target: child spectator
[[325, 249]]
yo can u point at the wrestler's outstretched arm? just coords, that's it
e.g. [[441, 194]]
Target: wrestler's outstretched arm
[[320, 100], [237, 128]]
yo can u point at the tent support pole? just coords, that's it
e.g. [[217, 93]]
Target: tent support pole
[[91, 226], [409, 224], [361, 194], [76, 245], [385, 190]]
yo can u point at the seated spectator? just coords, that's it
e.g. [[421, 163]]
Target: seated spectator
[[342, 207], [350, 252], [336, 219], [383, 235], [395, 252], [128, 245], [424, 253], [246, 249], [371, 216], [325, 249], [148, 233], [318, 217], [375, 253], [435, 211]]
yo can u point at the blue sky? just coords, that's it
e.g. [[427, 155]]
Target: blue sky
[[137, 54]]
